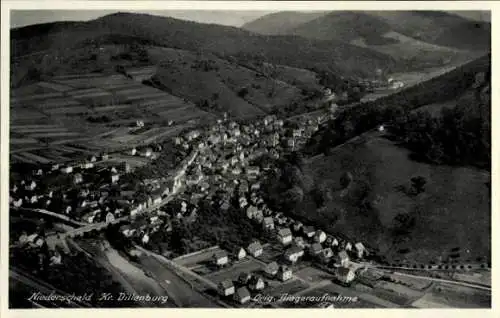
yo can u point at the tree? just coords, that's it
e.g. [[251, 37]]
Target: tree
[[403, 223], [294, 195], [346, 179], [418, 184]]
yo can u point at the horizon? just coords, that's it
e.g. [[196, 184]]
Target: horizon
[[23, 18]]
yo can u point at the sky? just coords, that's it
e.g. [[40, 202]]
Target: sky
[[232, 18]]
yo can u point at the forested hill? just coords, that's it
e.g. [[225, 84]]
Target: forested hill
[[432, 27], [345, 59], [461, 134]]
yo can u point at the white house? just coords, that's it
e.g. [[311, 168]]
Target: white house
[[31, 186], [268, 223], [255, 249], [342, 259], [345, 275], [284, 273], [226, 287], [220, 258], [242, 295], [319, 236], [285, 236], [256, 283], [110, 217], [293, 254], [360, 249], [77, 178], [67, 169]]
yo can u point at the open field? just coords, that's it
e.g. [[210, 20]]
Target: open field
[[55, 113], [454, 210], [313, 275], [452, 296], [290, 287], [195, 258], [222, 83], [234, 270]]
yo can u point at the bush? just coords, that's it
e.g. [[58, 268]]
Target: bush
[[243, 92]]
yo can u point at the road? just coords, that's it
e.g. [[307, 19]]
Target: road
[[465, 284], [178, 288], [440, 280], [48, 213], [179, 267]]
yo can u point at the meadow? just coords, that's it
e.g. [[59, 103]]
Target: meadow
[[452, 215]]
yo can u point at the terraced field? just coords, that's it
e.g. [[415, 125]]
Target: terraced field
[[93, 112]]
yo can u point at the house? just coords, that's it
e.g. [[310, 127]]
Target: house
[[297, 226], [342, 258], [193, 134], [284, 273], [315, 249], [17, 203], [220, 258], [252, 211], [243, 203], [293, 254], [55, 259], [243, 186], [326, 254], [308, 231], [124, 166], [92, 159], [239, 253], [285, 236], [115, 178], [133, 152], [253, 171], [268, 223], [148, 152], [77, 178], [348, 247], [344, 275], [244, 278], [299, 241], [145, 238], [54, 167], [332, 241], [271, 269], [360, 249], [226, 288], [256, 283], [259, 216], [319, 236], [255, 249], [110, 217], [242, 295], [255, 186], [31, 186]]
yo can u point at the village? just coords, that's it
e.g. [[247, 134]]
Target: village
[[220, 166], [221, 160]]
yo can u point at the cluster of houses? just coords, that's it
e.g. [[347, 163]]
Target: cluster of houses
[[299, 240], [88, 191], [249, 282], [224, 173]]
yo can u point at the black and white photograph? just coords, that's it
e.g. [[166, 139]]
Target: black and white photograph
[[202, 158]]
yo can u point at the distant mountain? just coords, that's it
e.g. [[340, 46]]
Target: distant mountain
[[343, 58], [281, 22], [434, 27], [440, 28], [346, 26]]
